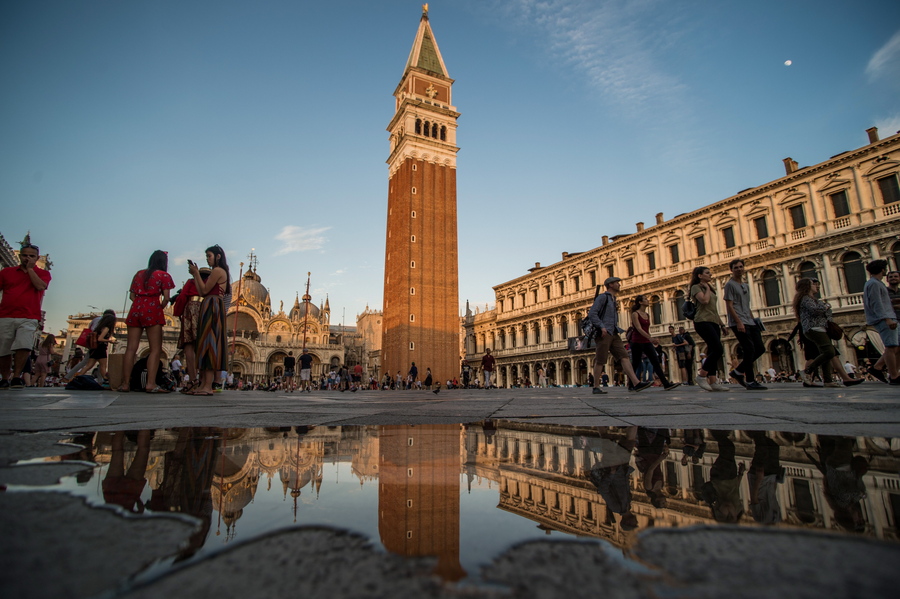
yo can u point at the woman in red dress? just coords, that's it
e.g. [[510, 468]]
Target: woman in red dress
[[146, 314], [211, 331]]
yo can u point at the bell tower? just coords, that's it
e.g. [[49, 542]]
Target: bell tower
[[421, 273]]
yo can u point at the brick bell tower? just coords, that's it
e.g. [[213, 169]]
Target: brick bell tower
[[421, 273]]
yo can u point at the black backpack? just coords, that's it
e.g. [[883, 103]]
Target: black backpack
[[138, 379], [689, 308], [83, 382]]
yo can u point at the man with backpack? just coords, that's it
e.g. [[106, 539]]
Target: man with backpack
[[602, 316]]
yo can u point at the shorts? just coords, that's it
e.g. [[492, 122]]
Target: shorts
[[888, 335], [304, 374], [289, 372], [610, 344], [16, 334], [683, 361], [99, 352]]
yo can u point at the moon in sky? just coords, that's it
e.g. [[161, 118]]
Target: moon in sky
[[787, 63]]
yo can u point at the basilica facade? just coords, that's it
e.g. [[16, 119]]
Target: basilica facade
[[826, 220]]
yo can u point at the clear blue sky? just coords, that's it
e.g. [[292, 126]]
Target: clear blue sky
[[131, 126]]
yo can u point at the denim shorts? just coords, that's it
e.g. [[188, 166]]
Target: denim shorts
[[887, 335]]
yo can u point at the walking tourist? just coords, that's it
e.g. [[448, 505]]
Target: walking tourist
[[642, 341], [146, 314], [692, 353], [44, 362], [745, 328], [880, 314], [487, 365], [289, 363], [211, 330], [23, 289], [814, 314], [306, 361], [682, 350], [603, 316], [104, 328]]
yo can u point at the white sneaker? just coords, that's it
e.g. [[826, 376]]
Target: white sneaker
[[719, 387], [807, 377], [702, 383]]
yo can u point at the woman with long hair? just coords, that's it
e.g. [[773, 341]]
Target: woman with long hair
[[211, 341], [709, 326], [104, 329], [44, 360], [146, 314], [642, 341], [814, 314]]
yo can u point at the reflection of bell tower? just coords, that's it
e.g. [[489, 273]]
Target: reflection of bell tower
[[418, 494], [421, 275]]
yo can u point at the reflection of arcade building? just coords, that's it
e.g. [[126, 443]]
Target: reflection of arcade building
[[541, 477]]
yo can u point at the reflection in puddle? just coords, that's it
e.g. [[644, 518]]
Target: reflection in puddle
[[466, 493]]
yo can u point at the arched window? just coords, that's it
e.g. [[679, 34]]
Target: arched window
[[770, 288], [501, 338], [418, 126], [549, 331], [678, 300], [854, 272], [278, 339], [564, 326], [524, 335], [443, 133], [426, 131], [808, 271], [434, 130], [896, 251], [655, 310]]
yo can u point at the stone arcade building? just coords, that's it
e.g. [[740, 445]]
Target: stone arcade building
[[826, 220]]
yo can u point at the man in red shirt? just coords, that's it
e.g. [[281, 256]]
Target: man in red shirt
[[20, 313]]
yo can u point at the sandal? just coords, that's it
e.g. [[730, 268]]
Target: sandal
[[188, 387], [156, 390], [123, 390], [203, 394]]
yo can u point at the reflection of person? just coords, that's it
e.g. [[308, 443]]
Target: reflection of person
[[22, 290], [723, 489], [652, 450], [843, 483], [123, 487], [610, 474], [763, 476], [694, 446], [187, 481]]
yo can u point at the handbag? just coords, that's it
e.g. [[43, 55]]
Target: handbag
[[87, 338], [834, 330]]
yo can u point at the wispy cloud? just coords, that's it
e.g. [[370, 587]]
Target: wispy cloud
[[888, 125], [607, 42], [886, 61], [300, 239]]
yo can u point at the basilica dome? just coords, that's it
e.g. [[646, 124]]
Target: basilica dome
[[252, 290], [299, 310]]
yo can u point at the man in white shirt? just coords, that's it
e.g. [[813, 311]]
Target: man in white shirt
[[850, 369]]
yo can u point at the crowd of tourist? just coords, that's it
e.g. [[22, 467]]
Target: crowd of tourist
[[27, 359]]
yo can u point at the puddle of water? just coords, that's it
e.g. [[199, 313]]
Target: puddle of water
[[466, 493]]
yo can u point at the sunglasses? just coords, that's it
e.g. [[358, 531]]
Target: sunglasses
[[27, 246]]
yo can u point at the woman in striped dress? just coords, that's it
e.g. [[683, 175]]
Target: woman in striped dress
[[211, 341]]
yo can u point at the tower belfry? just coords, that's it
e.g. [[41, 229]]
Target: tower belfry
[[421, 275]]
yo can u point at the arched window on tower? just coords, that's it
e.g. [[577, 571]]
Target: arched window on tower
[[678, 300], [443, 133], [655, 310], [434, 130], [770, 288], [808, 271], [418, 126], [854, 272]]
